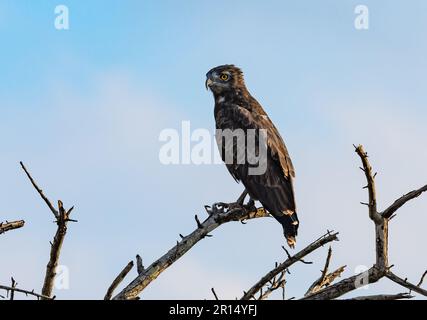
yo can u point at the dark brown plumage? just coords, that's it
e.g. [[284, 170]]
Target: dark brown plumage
[[235, 109]]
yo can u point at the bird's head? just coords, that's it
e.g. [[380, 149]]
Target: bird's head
[[225, 78]]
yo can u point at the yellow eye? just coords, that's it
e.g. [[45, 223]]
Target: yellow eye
[[224, 77]]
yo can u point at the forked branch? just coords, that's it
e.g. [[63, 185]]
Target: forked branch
[[218, 215], [62, 217], [329, 237]]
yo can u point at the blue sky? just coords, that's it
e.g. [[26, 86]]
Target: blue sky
[[83, 108]]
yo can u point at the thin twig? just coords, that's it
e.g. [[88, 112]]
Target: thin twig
[[422, 279], [40, 191], [406, 284], [274, 285], [26, 292], [326, 278], [214, 293], [62, 218], [12, 291], [387, 213], [290, 261], [367, 169], [139, 265]]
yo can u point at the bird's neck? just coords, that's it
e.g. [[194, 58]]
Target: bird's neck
[[232, 96]]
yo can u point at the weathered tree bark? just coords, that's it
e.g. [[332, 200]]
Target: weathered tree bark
[[286, 264], [398, 296], [381, 267], [118, 280], [323, 288], [218, 215], [326, 278], [26, 292], [7, 226], [62, 217]]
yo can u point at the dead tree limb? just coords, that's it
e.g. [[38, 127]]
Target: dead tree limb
[[7, 226], [326, 278], [62, 217], [26, 292], [118, 280], [214, 293], [381, 267], [139, 265], [218, 215], [275, 284], [422, 279], [398, 296], [40, 191], [287, 263], [13, 286], [406, 284], [387, 213], [323, 287]]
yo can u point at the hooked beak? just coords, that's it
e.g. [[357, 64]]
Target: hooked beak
[[208, 83]]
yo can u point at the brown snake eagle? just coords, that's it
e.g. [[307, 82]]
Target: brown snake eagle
[[236, 110]]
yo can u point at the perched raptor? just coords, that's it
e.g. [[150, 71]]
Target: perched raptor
[[236, 109]]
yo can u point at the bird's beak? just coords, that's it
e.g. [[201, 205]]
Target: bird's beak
[[208, 83]]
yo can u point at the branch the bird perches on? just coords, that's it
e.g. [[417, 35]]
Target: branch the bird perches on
[[323, 288]]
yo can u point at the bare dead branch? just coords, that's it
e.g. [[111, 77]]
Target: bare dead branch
[[139, 265], [7, 226], [40, 191], [318, 283], [62, 217], [398, 296], [218, 215], [55, 250], [387, 213], [346, 285], [381, 267], [274, 285], [118, 280], [406, 284], [12, 291], [26, 292], [290, 261], [289, 255], [326, 278], [381, 235], [327, 262], [323, 287], [422, 279], [214, 293], [367, 169]]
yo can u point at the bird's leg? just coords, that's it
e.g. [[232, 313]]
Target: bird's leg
[[250, 206], [242, 197], [240, 203]]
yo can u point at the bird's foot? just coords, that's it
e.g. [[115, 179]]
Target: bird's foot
[[232, 207], [224, 208], [250, 206]]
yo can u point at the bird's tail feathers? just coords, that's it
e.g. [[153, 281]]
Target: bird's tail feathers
[[290, 225]]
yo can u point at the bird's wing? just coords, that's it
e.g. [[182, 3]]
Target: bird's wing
[[276, 146]]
